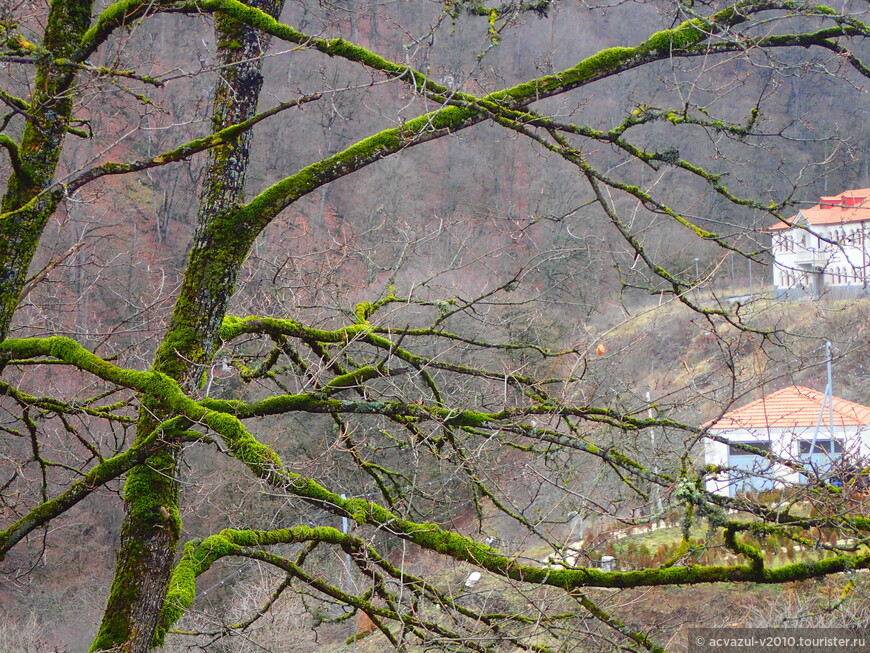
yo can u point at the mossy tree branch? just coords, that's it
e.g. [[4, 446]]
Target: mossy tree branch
[[130, 618], [186, 150], [682, 41], [265, 464], [227, 227], [99, 475]]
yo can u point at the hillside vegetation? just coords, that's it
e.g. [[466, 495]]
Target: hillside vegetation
[[309, 311]]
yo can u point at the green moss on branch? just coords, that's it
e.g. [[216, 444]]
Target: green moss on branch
[[107, 470]]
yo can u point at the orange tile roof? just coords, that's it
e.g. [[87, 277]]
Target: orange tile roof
[[849, 206], [794, 406]]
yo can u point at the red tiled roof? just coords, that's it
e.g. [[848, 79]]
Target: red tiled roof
[[850, 206], [794, 406]]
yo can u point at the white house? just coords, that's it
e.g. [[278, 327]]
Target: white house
[[824, 249], [785, 423]]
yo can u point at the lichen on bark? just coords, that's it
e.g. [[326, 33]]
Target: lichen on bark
[[219, 247]]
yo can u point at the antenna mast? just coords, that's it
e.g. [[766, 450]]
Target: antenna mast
[[827, 399]]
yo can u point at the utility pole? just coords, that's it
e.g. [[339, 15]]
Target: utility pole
[[827, 399], [652, 437], [732, 270]]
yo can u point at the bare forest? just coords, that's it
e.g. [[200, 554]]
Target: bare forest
[[367, 326]]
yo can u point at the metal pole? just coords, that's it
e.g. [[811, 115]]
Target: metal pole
[[829, 397], [732, 270], [652, 437], [830, 356], [697, 274]]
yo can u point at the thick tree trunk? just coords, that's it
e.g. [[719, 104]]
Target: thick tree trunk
[[132, 620], [38, 152]]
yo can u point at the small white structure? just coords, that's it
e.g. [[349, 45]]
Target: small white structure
[[472, 580], [607, 563], [785, 423], [825, 248]]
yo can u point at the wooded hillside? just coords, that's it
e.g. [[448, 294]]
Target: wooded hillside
[[311, 310]]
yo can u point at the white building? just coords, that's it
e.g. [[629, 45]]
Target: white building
[[785, 423], [824, 249]]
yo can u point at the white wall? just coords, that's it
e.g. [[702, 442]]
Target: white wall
[[785, 443], [846, 263]]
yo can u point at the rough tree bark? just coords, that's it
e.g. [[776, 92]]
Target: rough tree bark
[[152, 525], [138, 614], [35, 158]]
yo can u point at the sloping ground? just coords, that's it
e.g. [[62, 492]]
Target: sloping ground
[[678, 354]]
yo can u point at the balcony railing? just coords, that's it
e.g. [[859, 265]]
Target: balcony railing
[[809, 256]]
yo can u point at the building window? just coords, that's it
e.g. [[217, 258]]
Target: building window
[[764, 445], [822, 446]]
